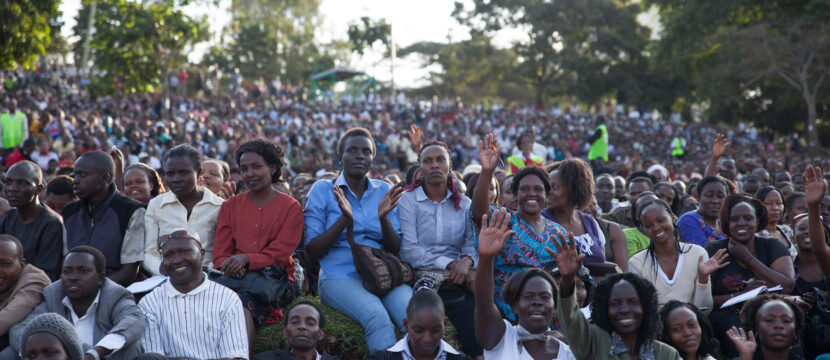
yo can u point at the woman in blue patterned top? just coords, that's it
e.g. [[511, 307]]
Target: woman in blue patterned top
[[531, 232]]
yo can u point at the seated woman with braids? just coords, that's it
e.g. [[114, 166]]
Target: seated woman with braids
[[623, 313], [530, 292], [678, 270], [438, 238]]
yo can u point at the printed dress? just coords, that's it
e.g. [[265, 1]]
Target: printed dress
[[524, 249]]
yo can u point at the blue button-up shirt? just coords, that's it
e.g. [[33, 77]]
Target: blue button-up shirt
[[435, 233], [322, 211]]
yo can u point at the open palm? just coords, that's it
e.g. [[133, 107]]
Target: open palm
[[567, 258], [720, 145], [717, 261], [489, 152], [744, 342], [814, 188], [494, 233]]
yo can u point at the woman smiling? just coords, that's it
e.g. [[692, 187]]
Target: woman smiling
[[623, 313], [753, 261], [531, 232]]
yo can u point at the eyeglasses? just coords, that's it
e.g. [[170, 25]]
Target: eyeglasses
[[178, 234]]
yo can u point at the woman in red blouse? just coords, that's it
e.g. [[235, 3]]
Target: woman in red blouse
[[259, 228]]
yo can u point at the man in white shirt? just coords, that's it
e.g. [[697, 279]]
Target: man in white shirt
[[108, 322], [191, 316]]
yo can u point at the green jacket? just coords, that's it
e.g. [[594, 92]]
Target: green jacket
[[599, 149], [589, 341]]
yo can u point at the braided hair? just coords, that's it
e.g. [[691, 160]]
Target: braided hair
[[455, 194]]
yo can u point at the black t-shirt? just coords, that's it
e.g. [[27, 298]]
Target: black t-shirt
[[725, 280]]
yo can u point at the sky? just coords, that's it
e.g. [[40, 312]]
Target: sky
[[412, 21]]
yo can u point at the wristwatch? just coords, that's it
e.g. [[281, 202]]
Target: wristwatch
[[94, 354]]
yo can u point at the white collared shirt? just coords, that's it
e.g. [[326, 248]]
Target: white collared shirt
[[85, 327], [206, 323], [166, 214], [402, 347]]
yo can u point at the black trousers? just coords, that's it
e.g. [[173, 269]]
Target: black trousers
[[460, 305]]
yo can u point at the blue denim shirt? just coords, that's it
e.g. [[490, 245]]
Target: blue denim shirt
[[322, 211]]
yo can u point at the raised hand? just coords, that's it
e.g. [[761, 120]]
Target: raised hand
[[489, 152], [389, 201], [567, 258], [720, 145], [705, 268], [343, 203], [228, 190], [117, 157], [814, 188], [744, 343], [493, 235], [416, 136]]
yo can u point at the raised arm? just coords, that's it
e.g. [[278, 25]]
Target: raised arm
[[491, 240], [489, 151], [718, 148], [814, 190]]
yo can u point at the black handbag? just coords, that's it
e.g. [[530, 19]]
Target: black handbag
[[267, 285]]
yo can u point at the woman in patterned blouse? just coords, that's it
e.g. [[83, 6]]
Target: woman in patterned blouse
[[531, 232]]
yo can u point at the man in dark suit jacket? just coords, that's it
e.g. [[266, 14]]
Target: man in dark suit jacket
[[105, 315], [304, 323]]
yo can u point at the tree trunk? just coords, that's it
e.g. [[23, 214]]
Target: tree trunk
[[812, 132], [540, 93]]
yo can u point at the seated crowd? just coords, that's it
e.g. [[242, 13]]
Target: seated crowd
[[536, 260]]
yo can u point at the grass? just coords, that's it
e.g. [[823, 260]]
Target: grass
[[344, 338]]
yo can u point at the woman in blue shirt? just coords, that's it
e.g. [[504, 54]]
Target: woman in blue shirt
[[368, 205], [701, 226]]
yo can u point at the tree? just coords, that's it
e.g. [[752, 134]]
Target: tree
[[371, 32], [137, 45], [473, 70], [270, 39], [26, 31], [585, 48], [733, 48]]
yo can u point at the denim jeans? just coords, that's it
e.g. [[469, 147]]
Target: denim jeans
[[375, 314]]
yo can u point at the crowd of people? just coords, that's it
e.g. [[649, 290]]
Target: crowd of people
[[538, 233]]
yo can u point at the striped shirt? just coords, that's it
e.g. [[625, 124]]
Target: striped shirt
[[205, 323]]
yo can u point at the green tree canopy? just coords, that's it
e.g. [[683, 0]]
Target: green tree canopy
[[137, 45], [582, 48], [26, 32], [736, 54]]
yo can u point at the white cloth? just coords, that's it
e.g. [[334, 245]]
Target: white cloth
[[508, 347], [166, 214], [402, 346], [206, 323], [85, 327], [43, 160]]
